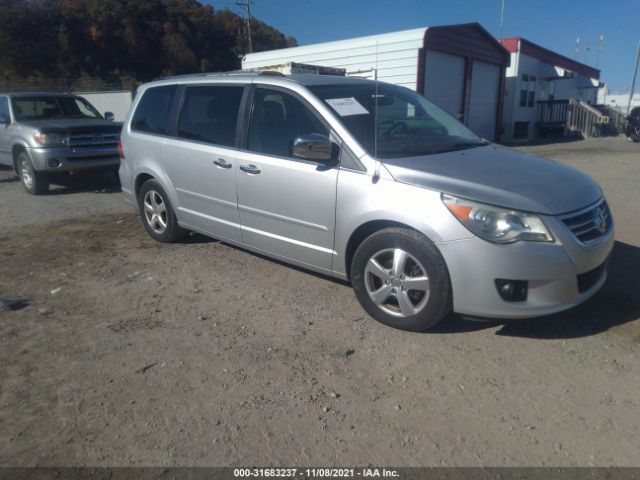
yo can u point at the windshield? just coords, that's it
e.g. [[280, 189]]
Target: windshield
[[50, 108], [407, 123]]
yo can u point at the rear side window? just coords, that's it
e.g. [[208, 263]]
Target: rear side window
[[210, 114], [152, 114], [4, 107]]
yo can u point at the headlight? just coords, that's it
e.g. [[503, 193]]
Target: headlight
[[495, 224], [50, 139]]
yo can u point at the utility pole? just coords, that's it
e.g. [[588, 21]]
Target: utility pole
[[501, 20], [633, 79], [600, 48], [577, 48], [246, 6]]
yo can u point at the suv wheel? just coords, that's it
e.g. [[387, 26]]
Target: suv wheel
[[157, 214], [35, 183], [401, 279]]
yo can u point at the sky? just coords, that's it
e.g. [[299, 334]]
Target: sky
[[553, 24]]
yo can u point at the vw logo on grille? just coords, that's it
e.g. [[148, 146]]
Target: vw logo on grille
[[599, 220]]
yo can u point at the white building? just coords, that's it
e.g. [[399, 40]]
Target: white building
[[459, 67], [539, 85], [619, 101]]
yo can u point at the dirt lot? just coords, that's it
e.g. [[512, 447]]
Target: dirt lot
[[129, 352]]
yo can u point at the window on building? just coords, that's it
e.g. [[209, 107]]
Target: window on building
[[210, 114], [532, 96], [521, 130], [523, 98], [528, 91], [152, 114]]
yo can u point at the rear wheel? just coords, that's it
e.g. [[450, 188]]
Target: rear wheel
[[401, 279], [157, 214], [35, 183]]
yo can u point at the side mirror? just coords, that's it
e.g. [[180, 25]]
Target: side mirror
[[109, 116], [313, 146], [4, 119]]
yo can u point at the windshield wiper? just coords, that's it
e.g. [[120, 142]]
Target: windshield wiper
[[461, 146]]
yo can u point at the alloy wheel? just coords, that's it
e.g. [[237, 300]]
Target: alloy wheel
[[155, 211], [25, 174], [396, 282]]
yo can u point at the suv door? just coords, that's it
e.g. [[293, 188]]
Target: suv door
[[5, 142], [287, 205], [200, 161]]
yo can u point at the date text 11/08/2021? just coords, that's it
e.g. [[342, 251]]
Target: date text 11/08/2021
[[315, 472]]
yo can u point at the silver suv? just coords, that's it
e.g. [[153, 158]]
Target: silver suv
[[44, 134], [368, 182]]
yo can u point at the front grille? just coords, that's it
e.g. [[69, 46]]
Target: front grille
[[97, 156], [592, 225], [94, 139], [589, 279]]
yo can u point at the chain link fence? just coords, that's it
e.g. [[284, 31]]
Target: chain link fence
[[82, 84]]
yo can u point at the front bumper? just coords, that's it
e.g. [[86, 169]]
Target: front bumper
[[560, 275], [73, 159]]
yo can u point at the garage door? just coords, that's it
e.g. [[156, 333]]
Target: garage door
[[444, 81], [483, 101]]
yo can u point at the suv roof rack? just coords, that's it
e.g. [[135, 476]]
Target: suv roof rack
[[222, 74]]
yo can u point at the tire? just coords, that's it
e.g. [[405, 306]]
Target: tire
[[35, 183], [397, 304], [157, 214]]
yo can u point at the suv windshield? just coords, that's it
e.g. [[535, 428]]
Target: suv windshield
[[54, 107], [407, 123]]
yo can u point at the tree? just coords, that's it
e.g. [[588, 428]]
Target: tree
[[144, 39]]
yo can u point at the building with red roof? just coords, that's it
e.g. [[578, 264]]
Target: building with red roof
[[539, 84]]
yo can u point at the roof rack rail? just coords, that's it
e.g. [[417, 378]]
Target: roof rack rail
[[232, 72]]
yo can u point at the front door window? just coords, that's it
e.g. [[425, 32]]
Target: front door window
[[278, 119]]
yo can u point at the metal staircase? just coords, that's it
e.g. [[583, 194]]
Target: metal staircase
[[570, 118]]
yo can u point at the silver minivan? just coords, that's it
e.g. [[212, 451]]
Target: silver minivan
[[368, 182]]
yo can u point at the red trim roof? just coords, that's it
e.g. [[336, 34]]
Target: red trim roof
[[548, 56]]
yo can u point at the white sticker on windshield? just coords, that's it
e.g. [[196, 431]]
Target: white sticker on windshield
[[347, 106]]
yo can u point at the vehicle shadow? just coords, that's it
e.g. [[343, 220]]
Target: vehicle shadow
[[88, 182], [197, 238], [617, 303], [11, 178]]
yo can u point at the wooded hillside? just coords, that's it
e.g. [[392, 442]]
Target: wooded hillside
[[143, 39]]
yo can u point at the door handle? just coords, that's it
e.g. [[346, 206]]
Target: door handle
[[252, 169], [222, 163]]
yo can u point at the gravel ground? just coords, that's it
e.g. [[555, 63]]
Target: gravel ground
[[130, 352]]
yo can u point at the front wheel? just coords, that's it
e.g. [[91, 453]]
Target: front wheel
[[35, 183], [401, 279], [157, 214]]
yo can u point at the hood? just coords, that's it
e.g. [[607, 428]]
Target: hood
[[73, 126], [502, 177]]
